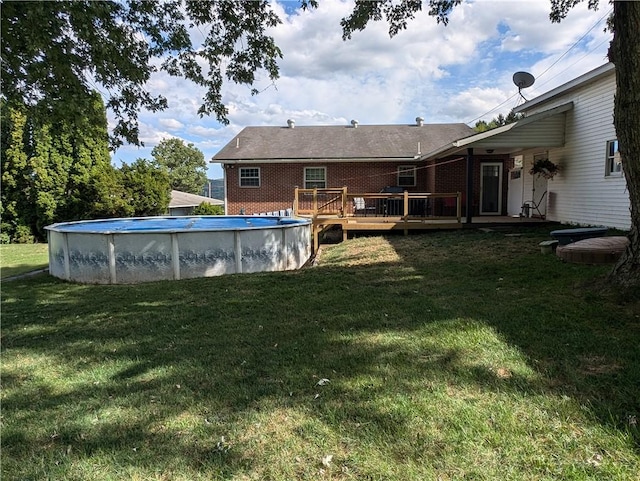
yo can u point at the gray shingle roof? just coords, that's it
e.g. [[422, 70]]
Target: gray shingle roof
[[185, 199], [339, 142]]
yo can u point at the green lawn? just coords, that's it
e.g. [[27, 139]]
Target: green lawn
[[440, 356], [22, 258]]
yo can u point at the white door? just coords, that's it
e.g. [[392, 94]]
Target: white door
[[490, 188], [515, 192], [539, 196]]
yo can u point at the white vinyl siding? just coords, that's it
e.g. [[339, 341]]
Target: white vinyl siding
[[581, 194]]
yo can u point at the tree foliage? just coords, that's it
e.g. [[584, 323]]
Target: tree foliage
[[396, 13], [205, 208], [184, 164], [499, 121], [61, 171], [57, 52], [46, 165], [146, 188]]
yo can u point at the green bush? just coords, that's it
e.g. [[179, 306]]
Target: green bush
[[208, 209], [23, 235]]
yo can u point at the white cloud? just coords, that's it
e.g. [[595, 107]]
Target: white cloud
[[171, 124], [445, 74]]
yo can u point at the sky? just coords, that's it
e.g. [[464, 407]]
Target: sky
[[461, 72]]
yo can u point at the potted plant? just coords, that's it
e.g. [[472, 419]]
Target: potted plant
[[545, 168]]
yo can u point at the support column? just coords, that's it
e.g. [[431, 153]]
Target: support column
[[469, 202]]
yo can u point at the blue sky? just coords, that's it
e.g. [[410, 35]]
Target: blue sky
[[458, 73]]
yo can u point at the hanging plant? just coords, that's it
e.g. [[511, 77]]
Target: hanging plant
[[545, 168]]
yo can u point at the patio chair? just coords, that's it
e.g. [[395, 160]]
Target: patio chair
[[360, 206]]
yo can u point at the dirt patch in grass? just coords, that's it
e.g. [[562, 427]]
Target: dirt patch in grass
[[598, 365]]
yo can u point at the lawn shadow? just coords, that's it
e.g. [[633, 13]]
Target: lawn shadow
[[584, 340], [171, 369]]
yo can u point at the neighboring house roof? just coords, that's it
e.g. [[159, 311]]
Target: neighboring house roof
[[184, 199], [336, 143], [543, 129], [564, 89]]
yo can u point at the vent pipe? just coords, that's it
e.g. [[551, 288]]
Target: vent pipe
[[291, 123], [419, 121], [354, 123]]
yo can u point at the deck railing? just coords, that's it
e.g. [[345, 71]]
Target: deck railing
[[337, 202]]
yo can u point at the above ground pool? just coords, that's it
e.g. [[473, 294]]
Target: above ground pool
[[127, 251]]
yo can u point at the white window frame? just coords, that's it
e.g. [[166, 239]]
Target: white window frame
[[242, 178], [406, 171], [613, 166], [315, 181]]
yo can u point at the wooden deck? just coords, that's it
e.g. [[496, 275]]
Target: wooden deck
[[384, 212]]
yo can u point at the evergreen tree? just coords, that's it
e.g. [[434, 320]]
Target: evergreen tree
[[46, 166], [147, 188], [16, 211]]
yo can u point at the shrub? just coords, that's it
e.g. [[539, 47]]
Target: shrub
[[208, 209], [23, 235]]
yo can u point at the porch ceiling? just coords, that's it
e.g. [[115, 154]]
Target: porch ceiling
[[541, 130]]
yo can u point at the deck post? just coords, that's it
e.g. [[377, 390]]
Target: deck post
[[459, 207], [316, 238], [469, 203], [406, 212], [315, 202], [295, 202], [344, 201]]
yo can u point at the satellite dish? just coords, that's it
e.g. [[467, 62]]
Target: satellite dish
[[522, 81]]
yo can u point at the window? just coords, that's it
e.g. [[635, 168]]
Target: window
[[406, 176], [249, 176], [614, 164], [315, 177]]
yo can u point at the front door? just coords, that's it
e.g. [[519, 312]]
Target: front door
[[490, 188]]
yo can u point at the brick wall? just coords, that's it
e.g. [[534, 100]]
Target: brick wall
[[452, 177], [278, 181]]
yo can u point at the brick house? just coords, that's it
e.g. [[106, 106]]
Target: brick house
[[263, 165]]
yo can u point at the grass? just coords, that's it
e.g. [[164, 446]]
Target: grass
[[18, 259], [441, 356]]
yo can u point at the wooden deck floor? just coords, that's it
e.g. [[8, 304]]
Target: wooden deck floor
[[353, 224]]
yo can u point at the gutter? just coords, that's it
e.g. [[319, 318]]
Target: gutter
[[415, 158]]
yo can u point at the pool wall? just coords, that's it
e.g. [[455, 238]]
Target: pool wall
[[134, 256]]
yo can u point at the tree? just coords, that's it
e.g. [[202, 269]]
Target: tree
[[105, 195], [499, 121], [55, 52], [46, 165], [146, 188], [204, 208], [624, 52], [17, 212], [184, 164]]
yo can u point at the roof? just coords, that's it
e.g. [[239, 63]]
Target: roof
[[336, 143], [543, 129], [568, 87], [184, 199]]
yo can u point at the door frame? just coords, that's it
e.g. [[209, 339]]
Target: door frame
[[500, 166]]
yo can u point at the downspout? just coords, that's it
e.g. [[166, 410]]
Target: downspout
[[469, 202], [224, 184]]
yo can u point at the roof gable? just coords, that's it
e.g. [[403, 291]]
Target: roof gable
[[371, 142]]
